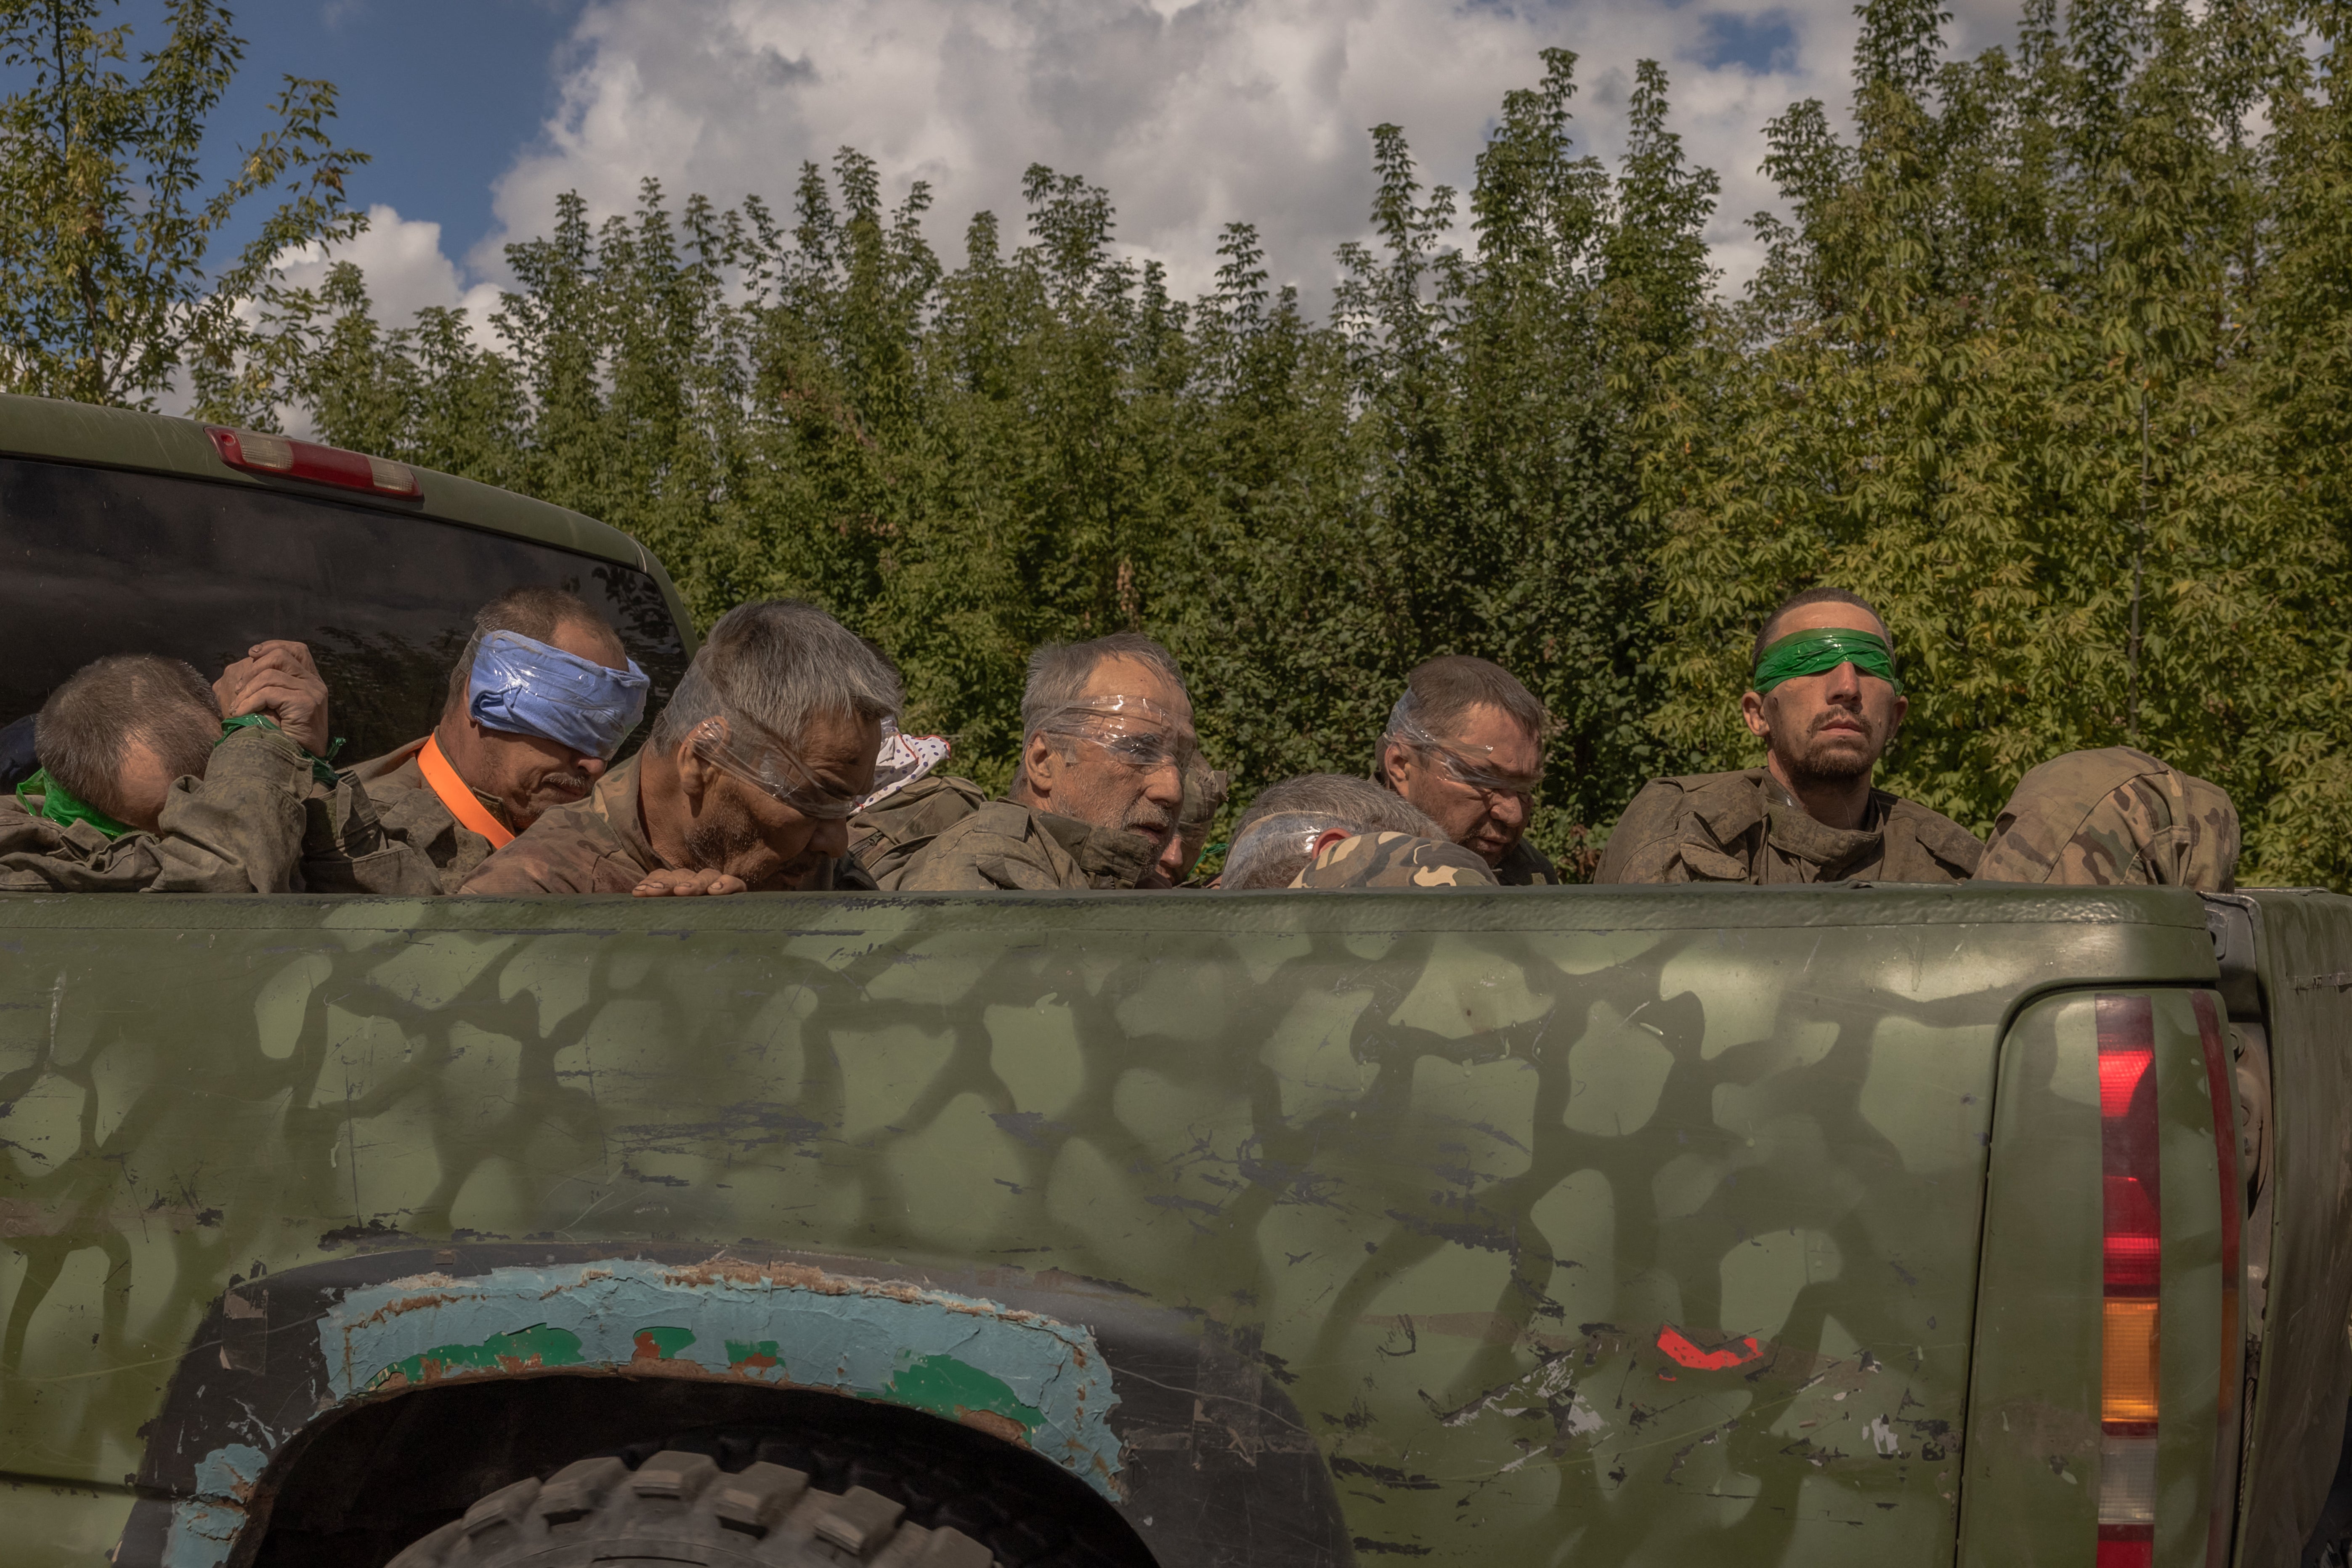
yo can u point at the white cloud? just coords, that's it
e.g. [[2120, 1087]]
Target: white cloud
[[1191, 114], [405, 268]]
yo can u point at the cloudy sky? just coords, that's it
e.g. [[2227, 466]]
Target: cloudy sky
[[1191, 112]]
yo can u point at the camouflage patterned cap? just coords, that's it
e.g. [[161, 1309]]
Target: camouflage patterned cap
[[2115, 817], [1396, 860]]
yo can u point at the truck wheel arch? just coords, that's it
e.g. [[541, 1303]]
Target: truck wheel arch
[[256, 1422]]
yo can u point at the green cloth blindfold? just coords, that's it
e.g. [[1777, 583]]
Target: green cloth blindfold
[[1819, 652], [60, 806]]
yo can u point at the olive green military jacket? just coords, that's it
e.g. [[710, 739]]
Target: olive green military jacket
[[599, 845], [887, 838], [412, 813], [1746, 827], [257, 822], [1006, 846]]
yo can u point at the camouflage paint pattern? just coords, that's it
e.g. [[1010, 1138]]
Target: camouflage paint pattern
[[2115, 818], [1618, 1225], [1394, 860]]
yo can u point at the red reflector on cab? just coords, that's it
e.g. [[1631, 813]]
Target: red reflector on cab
[[257, 452]]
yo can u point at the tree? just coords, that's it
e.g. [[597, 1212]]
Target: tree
[[105, 223]]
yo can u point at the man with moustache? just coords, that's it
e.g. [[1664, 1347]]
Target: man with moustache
[[1826, 700], [746, 782], [539, 702], [1107, 743]]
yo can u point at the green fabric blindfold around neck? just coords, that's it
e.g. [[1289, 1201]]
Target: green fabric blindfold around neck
[[1822, 650], [61, 806]]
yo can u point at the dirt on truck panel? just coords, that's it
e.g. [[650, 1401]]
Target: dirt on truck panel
[[1600, 1226]]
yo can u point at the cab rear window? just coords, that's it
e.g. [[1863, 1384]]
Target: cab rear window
[[95, 562]]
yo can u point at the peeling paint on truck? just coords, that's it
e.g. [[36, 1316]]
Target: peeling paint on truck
[[1022, 1376]]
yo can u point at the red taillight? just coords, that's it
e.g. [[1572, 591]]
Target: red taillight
[[2221, 1088], [2130, 1360], [256, 452]]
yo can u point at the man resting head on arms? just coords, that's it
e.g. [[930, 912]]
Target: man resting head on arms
[[1106, 741], [141, 790], [1296, 833], [540, 702], [1826, 700], [747, 782]]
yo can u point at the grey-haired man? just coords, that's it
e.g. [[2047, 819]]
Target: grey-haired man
[[747, 782], [1464, 745], [1106, 741]]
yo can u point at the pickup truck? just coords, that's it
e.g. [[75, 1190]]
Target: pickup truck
[[1856, 1224]]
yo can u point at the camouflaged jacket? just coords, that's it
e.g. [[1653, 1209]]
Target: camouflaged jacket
[[2115, 817], [246, 827], [886, 839], [1007, 845], [599, 845], [1746, 827], [1396, 860], [412, 813]]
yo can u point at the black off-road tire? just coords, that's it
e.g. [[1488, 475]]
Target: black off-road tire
[[678, 1506]]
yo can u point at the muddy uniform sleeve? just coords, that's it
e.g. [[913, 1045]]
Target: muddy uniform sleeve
[[1396, 860], [984, 853], [569, 850], [240, 829]]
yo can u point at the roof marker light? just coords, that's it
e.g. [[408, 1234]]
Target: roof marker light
[[260, 453]]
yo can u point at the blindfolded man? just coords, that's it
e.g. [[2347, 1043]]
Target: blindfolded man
[[1826, 700], [541, 700], [1099, 801], [746, 782]]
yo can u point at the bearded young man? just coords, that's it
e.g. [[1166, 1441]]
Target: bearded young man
[[1826, 701]]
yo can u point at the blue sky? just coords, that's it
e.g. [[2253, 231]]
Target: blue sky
[[1193, 113], [441, 95]]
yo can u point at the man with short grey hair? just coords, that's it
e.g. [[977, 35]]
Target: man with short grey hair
[[1464, 744], [1107, 742], [747, 782], [1289, 837]]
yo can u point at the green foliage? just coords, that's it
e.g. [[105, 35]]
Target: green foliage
[[2014, 372], [105, 222]]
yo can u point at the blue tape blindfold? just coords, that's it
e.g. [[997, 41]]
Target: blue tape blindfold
[[527, 687]]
